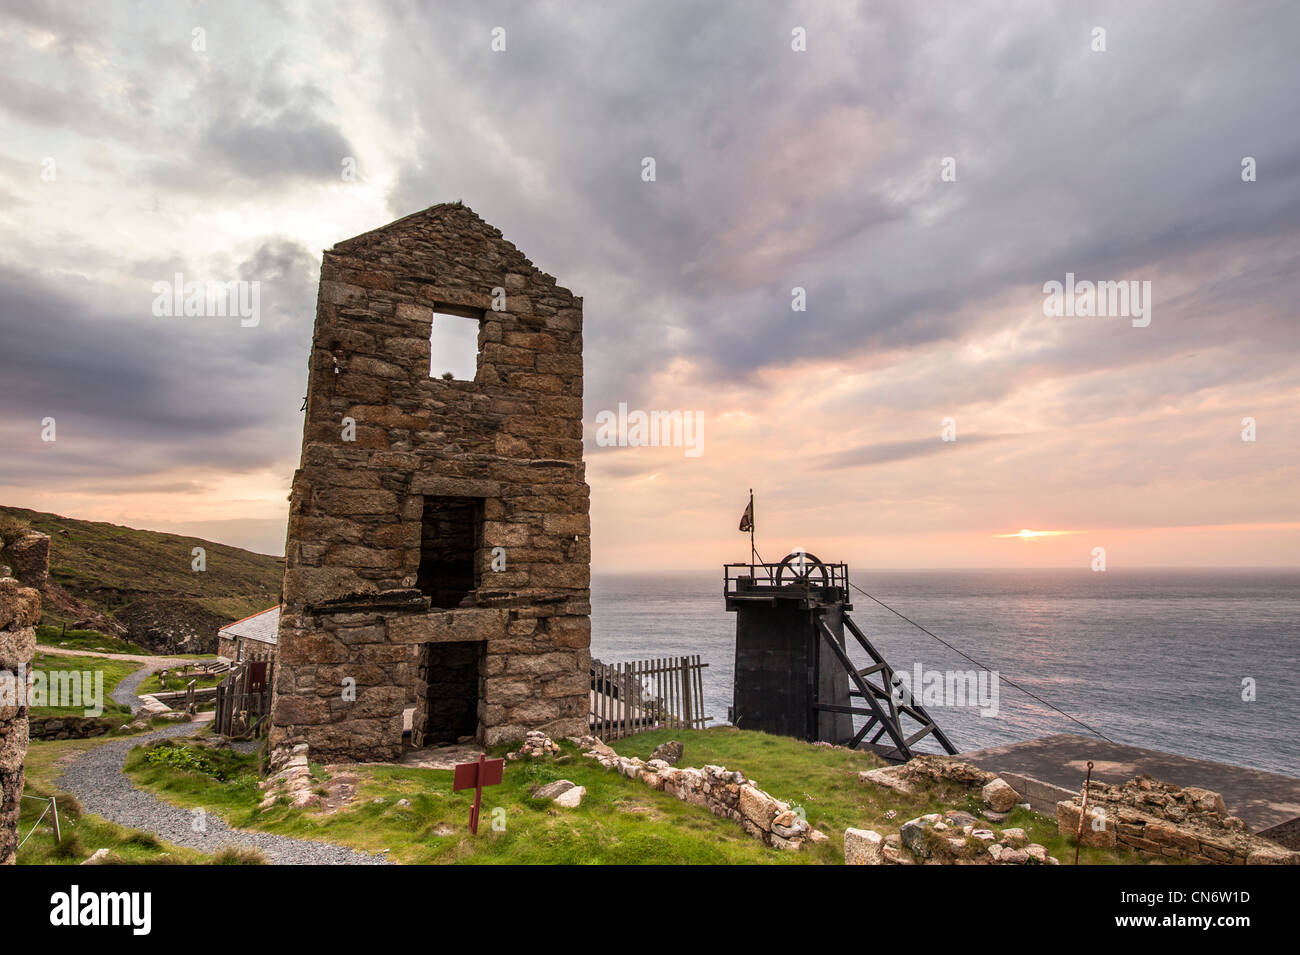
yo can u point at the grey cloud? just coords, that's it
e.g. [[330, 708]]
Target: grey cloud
[[133, 392], [290, 142], [1094, 163], [867, 455]]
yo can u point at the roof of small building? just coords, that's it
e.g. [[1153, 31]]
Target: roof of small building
[[263, 626]]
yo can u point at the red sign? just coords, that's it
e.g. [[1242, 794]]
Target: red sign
[[485, 772]]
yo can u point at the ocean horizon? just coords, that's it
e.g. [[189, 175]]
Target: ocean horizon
[[1163, 658]]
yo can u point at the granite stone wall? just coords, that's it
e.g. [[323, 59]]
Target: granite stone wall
[[384, 441], [20, 612], [1155, 818]]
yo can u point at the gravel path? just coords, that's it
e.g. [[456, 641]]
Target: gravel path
[[124, 692], [96, 778]]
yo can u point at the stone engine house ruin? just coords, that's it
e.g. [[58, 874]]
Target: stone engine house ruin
[[438, 550]]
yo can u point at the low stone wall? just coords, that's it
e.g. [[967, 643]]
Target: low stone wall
[[723, 792], [71, 727], [1155, 818], [20, 611]]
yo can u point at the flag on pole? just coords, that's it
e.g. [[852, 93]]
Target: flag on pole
[[747, 519]]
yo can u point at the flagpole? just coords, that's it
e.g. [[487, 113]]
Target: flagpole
[[753, 551]]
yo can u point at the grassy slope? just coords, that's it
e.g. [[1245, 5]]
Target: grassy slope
[[114, 672], [107, 566], [620, 821], [53, 636]]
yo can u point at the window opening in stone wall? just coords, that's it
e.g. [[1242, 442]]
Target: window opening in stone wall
[[451, 531], [453, 344]]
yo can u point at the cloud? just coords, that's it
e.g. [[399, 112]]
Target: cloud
[[867, 455], [131, 392], [775, 169]]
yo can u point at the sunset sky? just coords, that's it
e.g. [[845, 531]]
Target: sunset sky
[[775, 169]]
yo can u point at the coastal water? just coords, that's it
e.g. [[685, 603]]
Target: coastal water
[[1152, 658]]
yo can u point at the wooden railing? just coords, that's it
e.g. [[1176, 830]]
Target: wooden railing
[[244, 700], [640, 695]]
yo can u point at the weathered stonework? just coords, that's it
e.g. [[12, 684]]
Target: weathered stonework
[[456, 515], [1155, 818], [724, 793], [20, 611]]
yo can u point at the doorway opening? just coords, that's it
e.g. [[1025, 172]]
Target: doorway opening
[[448, 677]]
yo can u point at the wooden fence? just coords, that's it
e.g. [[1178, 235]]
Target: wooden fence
[[244, 700], [640, 695]]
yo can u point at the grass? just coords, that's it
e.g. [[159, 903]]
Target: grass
[[824, 782], [114, 672], [85, 640], [619, 822], [82, 833], [644, 826]]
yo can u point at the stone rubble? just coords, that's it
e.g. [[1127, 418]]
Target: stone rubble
[[289, 776], [927, 769], [952, 838], [536, 744], [725, 793], [1156, 818], [670, 752], [996, 795]]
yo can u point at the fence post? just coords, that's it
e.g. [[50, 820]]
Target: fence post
[[686, 692]]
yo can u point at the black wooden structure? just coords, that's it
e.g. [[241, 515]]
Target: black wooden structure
[[793, 674]]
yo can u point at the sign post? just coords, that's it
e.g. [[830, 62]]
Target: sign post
[[485, 772]]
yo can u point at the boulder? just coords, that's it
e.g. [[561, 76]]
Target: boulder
[[758, 807], [912, 835], [788, 825], [863, 847], [959, 818], [571, 798], [1015, 838], [553, 790], [999, 796], [1205, 800], [670, 752]]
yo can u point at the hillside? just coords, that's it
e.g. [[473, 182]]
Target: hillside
[[140, 585]]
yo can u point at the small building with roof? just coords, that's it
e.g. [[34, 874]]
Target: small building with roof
[[253, 638]]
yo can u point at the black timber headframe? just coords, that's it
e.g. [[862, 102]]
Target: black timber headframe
[[883, 708]]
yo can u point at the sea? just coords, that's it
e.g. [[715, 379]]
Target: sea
[[1204, 663]]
